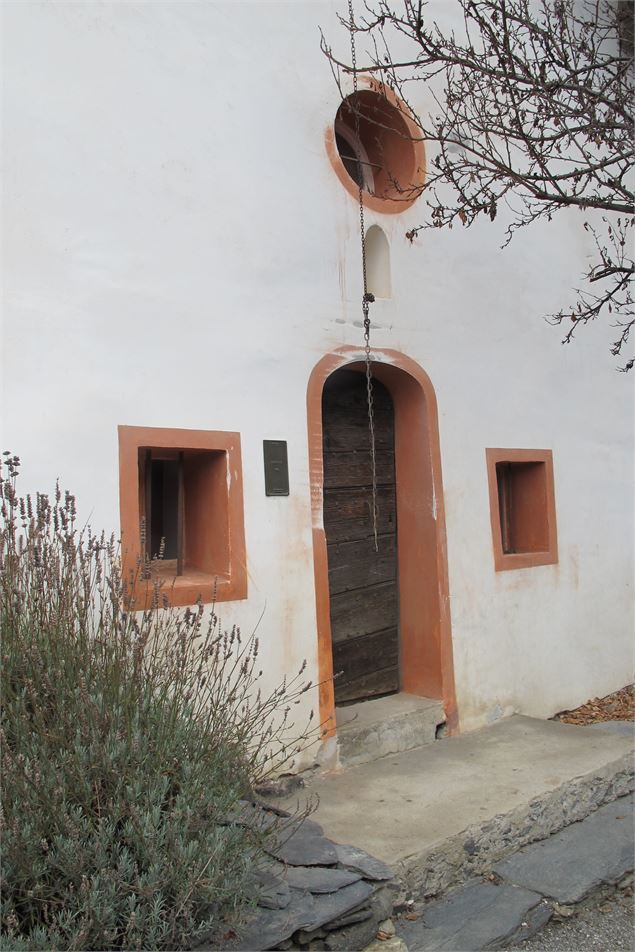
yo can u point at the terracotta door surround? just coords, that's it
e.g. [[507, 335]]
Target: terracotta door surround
[[425, 643]]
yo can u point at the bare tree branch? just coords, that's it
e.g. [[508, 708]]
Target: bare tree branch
[[536, 111]]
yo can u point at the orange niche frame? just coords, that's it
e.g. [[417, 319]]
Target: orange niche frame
[[412, 165], [230, 582], [541, 504], [425, 637]]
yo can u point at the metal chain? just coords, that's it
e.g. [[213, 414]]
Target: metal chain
[[368, 297]]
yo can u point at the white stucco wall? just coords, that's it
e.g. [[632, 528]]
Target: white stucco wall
[[179, 253]]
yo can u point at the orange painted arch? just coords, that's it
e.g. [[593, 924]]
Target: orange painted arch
[[426, 661], [409, 160]]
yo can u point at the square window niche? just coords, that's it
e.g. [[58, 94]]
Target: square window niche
[[522, 508], [181, 503]]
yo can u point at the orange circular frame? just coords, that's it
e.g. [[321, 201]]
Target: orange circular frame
[[389, 155]]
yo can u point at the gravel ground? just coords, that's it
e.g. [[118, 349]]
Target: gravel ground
[[609, 927]]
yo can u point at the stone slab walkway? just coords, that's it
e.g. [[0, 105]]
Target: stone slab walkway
[[572, 863], [564, 869], [478, 915]]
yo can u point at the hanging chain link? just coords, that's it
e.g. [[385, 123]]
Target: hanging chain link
[[371, 422], [368, 297]]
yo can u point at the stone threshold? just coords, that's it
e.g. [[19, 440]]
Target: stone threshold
[[388, 725]]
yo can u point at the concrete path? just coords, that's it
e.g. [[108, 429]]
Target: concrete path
[[554, 873], [446, 812]]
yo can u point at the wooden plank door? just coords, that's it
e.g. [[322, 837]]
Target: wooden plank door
[[362, 582]]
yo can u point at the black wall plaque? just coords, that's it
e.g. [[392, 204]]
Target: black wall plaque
[[276, 467]]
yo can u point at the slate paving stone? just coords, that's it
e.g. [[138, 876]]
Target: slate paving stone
[[532, 922], [266, 928], [304, 846], [357, 915], [320, 879], [572, 863], [475, 916], [330, 906], [363, 863], [309, 826], [271, 891]]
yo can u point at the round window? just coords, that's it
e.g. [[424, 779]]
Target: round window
[[374, 144]]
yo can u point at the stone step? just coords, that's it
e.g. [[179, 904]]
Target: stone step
[[445, 812], [388, 725]]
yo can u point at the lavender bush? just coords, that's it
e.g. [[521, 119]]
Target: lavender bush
[[127, 738]]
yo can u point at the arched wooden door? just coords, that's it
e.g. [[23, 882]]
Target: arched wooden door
[[363, 584]]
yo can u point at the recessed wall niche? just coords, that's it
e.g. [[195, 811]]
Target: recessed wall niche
[[522, 508], [182, 521], [378, 262]]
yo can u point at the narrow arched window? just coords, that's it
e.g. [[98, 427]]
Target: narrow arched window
[[378, 262]]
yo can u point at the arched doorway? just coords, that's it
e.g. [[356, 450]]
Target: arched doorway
[[363, 583], [425, 645]]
